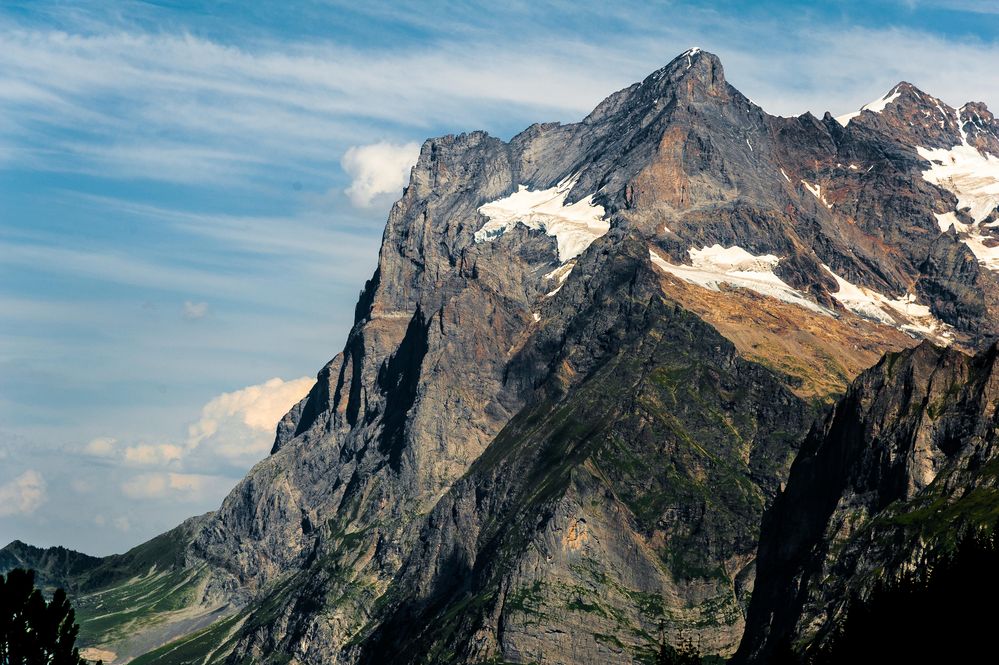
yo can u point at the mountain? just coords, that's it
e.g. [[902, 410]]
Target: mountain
[[576, 382], [54, 567]]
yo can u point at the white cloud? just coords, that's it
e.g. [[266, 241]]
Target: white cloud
[[195, 310], [235, 430], [102, 446], [152, 454], [22, 495], [188, 487], [238, 427], [139, 454], [378, 169]]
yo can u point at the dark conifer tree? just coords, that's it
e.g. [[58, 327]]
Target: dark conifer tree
[[32, 631]]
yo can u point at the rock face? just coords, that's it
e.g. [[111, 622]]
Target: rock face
[[580, 372], [904, 465], [591, 524]]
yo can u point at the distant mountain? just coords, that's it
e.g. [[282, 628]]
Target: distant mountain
[[577, 380], [54, 567]]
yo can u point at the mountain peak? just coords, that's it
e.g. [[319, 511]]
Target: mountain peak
[[909, 95], [694, 62], [694, 75], [979, 127], [911, 116], [902, 94]]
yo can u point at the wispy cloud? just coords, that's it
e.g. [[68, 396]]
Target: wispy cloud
[[970, 6], [186, 487], [118, 267], [182, 108], [194, 310]]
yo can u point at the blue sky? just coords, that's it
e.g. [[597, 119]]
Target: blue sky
[[192, 195]]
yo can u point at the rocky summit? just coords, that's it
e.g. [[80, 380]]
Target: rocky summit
[[677, 376]]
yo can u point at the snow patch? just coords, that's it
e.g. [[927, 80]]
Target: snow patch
[[561, 273], [689, 53], [734, 266], [574, 226], [903, 313], [987, 256], [712, 266], [816, 191], [973, 178], [877, 106]]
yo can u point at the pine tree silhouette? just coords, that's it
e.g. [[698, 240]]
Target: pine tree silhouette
[[33, 632]]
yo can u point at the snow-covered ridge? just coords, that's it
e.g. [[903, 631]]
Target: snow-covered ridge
[[734, 266], [574, 226], [877, 106], [973, 178], [903, 313]]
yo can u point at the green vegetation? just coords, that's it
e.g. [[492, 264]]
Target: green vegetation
[[937, 516], [32, 631], [194, 648], [527, 599], [164, 552], [681, 655], [114, 613]]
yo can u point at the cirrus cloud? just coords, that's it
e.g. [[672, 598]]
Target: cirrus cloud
[[195, 310]]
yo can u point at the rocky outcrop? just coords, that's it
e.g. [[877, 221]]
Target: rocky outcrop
[[906, 463], [617, 511]]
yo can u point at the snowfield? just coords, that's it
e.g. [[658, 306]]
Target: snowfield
[[716, 265], [734, 266], [973, 178], [574, 226]]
